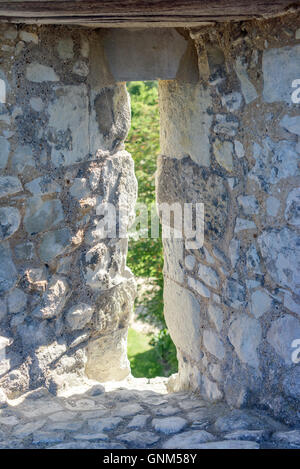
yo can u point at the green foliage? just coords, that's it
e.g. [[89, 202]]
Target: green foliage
[[166, 351], [145, 256]]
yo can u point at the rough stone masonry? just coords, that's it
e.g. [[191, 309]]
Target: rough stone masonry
[[66, 293], [231, 141], [229, 138]]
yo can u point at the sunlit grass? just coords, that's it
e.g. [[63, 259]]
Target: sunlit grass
[[143, 357]]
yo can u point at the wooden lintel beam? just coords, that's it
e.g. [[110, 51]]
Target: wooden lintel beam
[[138, 11]]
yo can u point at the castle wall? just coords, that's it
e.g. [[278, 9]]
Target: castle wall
[[231, 142], [64, 289], [230, 134]]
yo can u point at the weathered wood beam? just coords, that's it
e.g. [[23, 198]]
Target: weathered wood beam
[[116, 12]]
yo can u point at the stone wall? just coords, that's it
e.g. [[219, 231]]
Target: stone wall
[[231, 141], [66, 294]]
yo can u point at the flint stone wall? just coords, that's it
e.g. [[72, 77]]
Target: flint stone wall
[[231, 141], [65, 292]]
